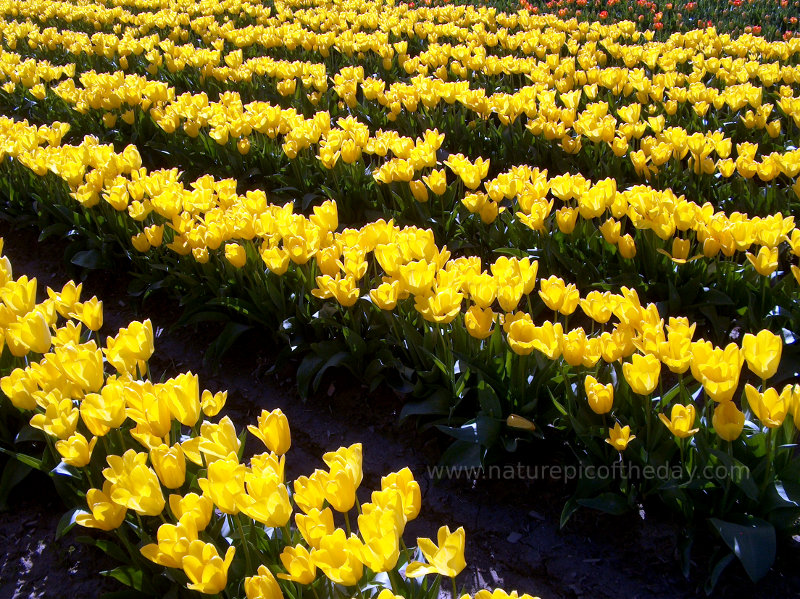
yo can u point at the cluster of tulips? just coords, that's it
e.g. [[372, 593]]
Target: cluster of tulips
[[156, 466], [777, 18], [400, 191]]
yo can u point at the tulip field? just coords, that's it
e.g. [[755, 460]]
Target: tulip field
[[564, 225]]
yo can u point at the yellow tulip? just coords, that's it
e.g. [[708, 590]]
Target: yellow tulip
[[385, 296], [192, 506], [681, 421], [642, 373], [410, 495], [309, 491], [224, 485], [173, 542], [136, 486], [447, 559], [206, 570], [235, 254], [765, 262], [76, 450], [273, 431], [263, 586], [90, 313], [479, 321], [769, 406], [315, 525], [105, 514], [762, 352], [619, 437], [299, 564], [169, 464], [728, 420], [600, 396], [211, 404]]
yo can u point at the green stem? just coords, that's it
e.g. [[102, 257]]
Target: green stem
[[245, 546], [347, 523]]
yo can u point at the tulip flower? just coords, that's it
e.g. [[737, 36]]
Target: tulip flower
[[309, 492], [762, 352], [681, 421], [619, 437], [194, 506], [300, 566], [728, 420], [315, 525], [169, 464], [765, 262], [182, 395], [769, 406], [173, 543], [409, 490], [273, 431], [627, 246], [601, 397], [447, 559], [19, 387], [105, 514], [211, 404], [478, 322], [717, 369], [136, 486], [269, 500], [76, 450], [206, 570], [642, 373], [385, 296], [90, 313], [224, 485], [263, 586], [235, 254], [338, 558]]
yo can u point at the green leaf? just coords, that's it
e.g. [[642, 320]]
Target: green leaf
[[14, 473], [66, 522], [127, 575], [106, 546], [610, 503], [754, 543], [463, 454], [437, 404], [488, 400], [570, 507], [739, 473], [717, 571], [89, 259], [30, 461], [226, 339]]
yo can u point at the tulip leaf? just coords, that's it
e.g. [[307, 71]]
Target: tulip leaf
[[462, 453], [488, 400], [89, 259], [754, 543], [716, 572], [67, 522], [739, 473], [127, 575], [610, 503], [437, 404], [14, 473], [106, 546]]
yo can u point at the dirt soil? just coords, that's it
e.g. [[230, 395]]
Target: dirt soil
[[513, 535]]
